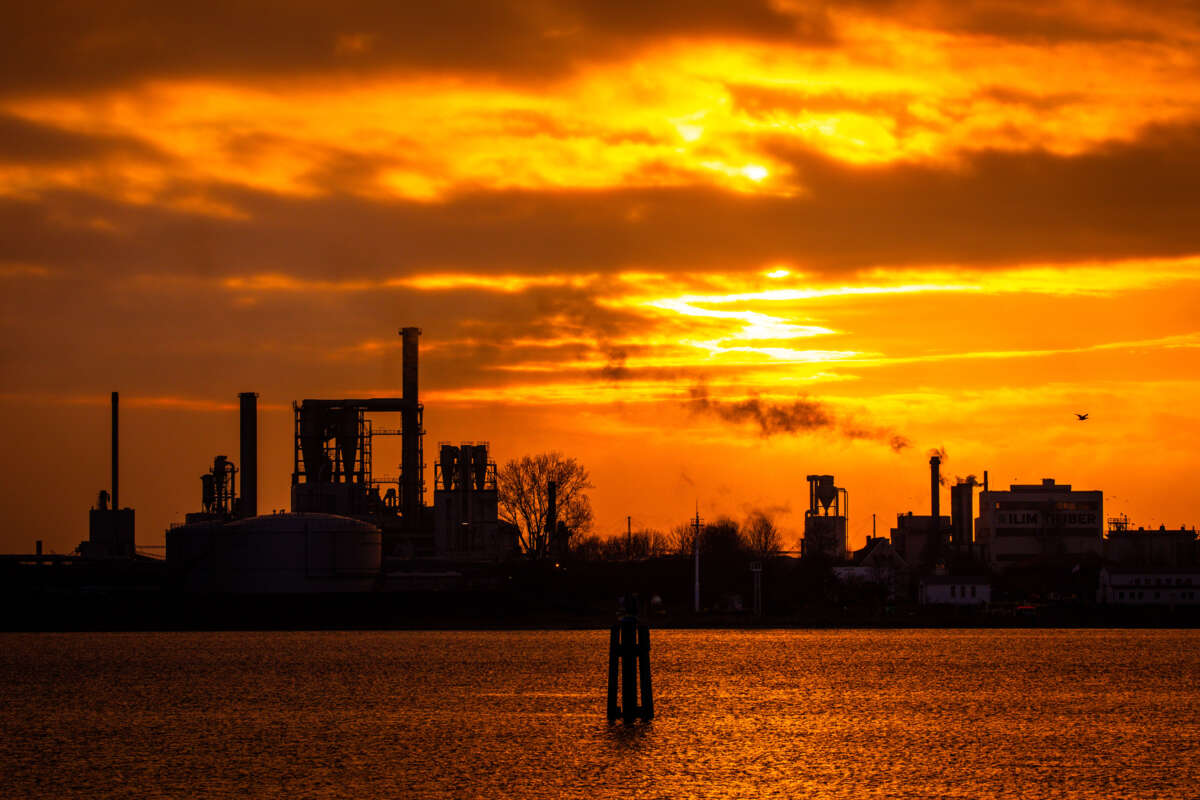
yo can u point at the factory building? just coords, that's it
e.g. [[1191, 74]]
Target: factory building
[[918, 538], [227, 547], [1149, 548], [466, 505], [1142, 586], [332, 469], [825, 519], [922, 540], [1038, 522], [346, 523], [110, 527]]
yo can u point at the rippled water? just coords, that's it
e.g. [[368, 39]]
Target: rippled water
[[855, 714]]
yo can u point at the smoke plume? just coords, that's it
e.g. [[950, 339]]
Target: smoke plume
[[798, 416], [615, 370]]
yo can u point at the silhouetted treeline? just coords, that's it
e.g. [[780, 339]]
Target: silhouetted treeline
[[755, 538]]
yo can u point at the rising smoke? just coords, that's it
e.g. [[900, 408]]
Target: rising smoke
[[772, 418], [939, 452], [798, 416], [615, 369]]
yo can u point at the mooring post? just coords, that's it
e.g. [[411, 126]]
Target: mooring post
[[644, 670], [629, 641], [613, 653], [629, 704]]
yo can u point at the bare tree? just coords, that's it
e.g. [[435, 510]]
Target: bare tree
[[587, 548], [681, 540], [762, 537], [645, 543], [523, 492], [658, 544]]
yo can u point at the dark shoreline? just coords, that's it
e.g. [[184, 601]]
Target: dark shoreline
[[159, 611]]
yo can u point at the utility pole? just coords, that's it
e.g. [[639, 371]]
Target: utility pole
[[696, 553]]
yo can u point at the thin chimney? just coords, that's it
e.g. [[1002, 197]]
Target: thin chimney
[[935, 484], [116, 459]]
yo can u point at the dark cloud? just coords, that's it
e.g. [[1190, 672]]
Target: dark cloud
[[1044, 22], [1135, 199], [59, 45], [25, 142], [1052, 101], [62, 46]]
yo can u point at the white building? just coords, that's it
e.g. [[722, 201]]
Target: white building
[[1036, 522], [954, 590], [1147, 586]]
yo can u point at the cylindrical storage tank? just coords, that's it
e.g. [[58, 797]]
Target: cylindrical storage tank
[[277, 553]]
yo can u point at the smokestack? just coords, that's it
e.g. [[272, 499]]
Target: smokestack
[[249, 455], [411, 480], [962, 512], [935, 484], [116, 459]]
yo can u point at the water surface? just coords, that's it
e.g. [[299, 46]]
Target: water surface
[[850, 714]]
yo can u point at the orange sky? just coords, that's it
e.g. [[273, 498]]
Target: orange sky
[[953, 223]]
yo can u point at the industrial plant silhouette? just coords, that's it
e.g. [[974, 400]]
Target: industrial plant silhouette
[[362, 541]]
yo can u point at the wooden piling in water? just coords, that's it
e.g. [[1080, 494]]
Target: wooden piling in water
[[644, 670], [629, 643], [629, 704], [614, 644]]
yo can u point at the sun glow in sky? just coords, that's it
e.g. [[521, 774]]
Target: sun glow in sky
[[958, 223]]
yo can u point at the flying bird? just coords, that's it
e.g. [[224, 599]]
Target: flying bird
[[1082, 417]]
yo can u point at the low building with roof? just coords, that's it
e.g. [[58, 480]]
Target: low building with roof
[[1143, 586], [954, 590]]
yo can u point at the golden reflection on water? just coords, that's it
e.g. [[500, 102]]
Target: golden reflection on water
[[850, 714]]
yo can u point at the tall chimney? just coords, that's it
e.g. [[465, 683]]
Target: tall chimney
[[249, 456], [935, 485], [411, 479], [933, 547], [116, 459]]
